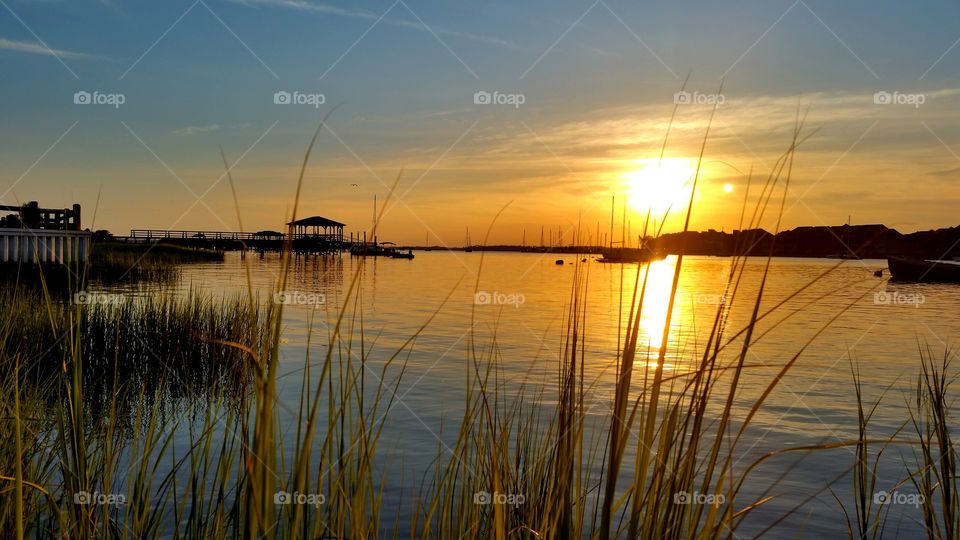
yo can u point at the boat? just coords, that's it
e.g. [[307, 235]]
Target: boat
[[923, 271], [401, 255], [373, 250], [628, 255]]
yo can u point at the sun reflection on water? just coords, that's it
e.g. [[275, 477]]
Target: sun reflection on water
[[653, 315]]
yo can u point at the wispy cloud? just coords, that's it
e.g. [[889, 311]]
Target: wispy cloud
[[194, 130], [448, 112], [948, 172], [353, 13], [31, 47]]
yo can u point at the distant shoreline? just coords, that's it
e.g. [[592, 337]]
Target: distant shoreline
[[824, 242], [597, 253]]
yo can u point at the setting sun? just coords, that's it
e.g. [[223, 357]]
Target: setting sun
[[660, 185]]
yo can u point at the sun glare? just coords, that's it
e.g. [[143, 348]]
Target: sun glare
[[660, 185]]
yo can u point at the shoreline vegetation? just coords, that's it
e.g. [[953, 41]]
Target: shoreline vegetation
[[668, 434], [130, 342], [114, 262]]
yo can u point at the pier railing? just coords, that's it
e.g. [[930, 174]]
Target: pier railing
[[180, 235], [161, 234], [44, 246]]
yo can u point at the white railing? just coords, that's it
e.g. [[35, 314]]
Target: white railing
[[43, 246]]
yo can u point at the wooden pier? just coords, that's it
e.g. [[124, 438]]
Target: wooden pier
[[314, 234]]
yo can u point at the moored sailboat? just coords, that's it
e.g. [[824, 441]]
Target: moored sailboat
[[923, 271]]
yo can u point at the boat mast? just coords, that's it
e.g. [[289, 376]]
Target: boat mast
[[613, 202], [623, 224]]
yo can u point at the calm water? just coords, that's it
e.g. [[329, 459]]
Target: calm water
[[522, 301]]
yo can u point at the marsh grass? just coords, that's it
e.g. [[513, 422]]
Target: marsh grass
[[936, 471], [110, 264], [157, 251], [683, 429], [131, 342], [114, 262]]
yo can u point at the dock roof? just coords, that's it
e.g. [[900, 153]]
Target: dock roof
[[317, 221]]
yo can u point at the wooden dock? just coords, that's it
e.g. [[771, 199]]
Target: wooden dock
[[316, 234]]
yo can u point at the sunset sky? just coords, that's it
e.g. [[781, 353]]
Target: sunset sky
[[587, 89]]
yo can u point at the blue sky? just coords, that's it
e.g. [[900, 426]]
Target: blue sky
[[597, 80]]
